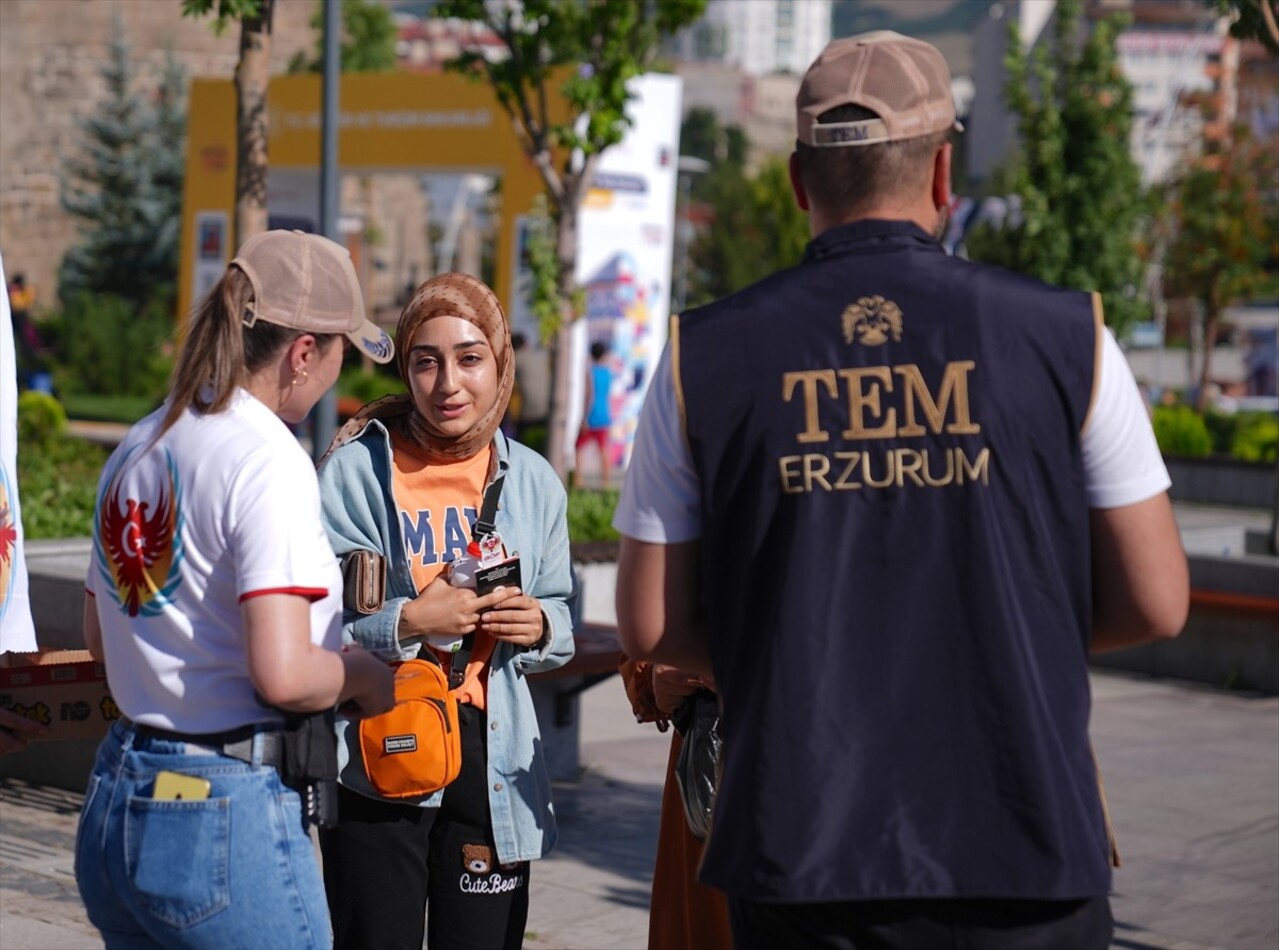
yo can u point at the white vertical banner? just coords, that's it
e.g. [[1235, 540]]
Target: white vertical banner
[[626, 238], [17, 630], [625, 245]]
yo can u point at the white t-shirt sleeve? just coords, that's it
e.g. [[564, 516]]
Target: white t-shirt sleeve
[[274, 528], [1122, 463], [660, 501]]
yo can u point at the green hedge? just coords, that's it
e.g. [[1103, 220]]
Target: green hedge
[[58, 477], [1249, 436], [1255, 437], [57, 484], [590, 515], [1180, 430], [366, 387], [106, 346]]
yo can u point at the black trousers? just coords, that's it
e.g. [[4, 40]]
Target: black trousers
[[386, 865], [923, 925]]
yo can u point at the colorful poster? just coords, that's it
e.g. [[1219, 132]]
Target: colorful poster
[[625, 244], [17, 630], [211, 251]]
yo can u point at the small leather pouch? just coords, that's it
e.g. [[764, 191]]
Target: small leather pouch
[[363, 581]]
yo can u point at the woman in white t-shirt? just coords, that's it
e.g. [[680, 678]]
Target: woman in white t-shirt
[[215, 603]]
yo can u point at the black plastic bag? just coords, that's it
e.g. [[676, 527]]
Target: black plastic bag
[[697, 767]]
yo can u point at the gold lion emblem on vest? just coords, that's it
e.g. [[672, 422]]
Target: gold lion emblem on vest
[[871, 320]]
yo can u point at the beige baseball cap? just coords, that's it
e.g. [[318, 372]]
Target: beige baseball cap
[[308, 282], [904, 81]]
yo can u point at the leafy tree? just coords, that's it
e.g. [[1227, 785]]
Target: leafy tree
[[736, 144], [1254, 20], [368, 39], [701, 136], [1225, 224], [252, 76], [126, 188], [756, 228], [583, 53], [1082, 206]]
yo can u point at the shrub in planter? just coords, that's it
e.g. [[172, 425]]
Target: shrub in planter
[[1255, 437], [57, 475], [1181, 431], [58, 483], [534, 436], [41, 420], [1221, 426], [366, 387], [107, 347], [590, 515]]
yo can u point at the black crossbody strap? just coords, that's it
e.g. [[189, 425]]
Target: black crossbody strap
[[488, 510], [484, 526]]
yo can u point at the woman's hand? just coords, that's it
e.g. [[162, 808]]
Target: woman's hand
[[516, 618], [445, 611], [671, 685], [16, 731], [369, 685]]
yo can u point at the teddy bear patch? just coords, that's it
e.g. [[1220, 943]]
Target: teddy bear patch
[[477, 858]]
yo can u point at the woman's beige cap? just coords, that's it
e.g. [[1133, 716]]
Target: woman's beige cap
[[308, 282], [904, 81]]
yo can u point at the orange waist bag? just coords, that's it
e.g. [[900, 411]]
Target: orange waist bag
[[415, 747]]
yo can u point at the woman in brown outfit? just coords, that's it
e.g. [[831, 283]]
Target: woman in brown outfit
[[683, 914]]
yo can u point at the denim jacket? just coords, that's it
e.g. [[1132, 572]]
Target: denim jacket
[[359, 512]]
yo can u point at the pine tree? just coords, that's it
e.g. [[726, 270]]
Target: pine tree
[[126, 188], [169, 155]]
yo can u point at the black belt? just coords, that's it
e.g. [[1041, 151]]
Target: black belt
[[236, 743]]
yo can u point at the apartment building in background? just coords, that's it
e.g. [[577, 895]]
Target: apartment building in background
[[758, 37]]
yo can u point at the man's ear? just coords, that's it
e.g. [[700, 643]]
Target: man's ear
[[941, 177], [797, 183]]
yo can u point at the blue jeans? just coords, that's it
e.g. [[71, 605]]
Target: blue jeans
[[235, 870]]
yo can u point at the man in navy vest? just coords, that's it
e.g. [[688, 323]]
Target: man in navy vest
[[891, 500]]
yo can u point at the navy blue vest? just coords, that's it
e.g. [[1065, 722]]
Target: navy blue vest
[[896, 575]]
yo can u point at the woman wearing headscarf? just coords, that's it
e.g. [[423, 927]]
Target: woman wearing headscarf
[[406, 479]]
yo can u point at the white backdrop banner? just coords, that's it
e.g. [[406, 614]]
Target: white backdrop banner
[[17, 631], [625, 244]]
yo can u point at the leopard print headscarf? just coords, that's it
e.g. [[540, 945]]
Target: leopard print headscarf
[[446, 295], [458, 295]]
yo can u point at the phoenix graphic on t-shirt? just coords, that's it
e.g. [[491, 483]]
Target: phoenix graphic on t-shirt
[[8, 539], [137, 541]]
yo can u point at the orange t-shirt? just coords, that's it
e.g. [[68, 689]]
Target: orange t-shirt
[[438, 504]]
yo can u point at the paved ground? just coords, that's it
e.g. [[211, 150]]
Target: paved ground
[[1192, 775]]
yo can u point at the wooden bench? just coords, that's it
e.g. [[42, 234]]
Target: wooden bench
[[595, 658]]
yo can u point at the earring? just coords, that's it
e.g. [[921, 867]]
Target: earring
[[299, 376]]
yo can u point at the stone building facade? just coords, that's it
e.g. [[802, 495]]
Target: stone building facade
[[51, 59]]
